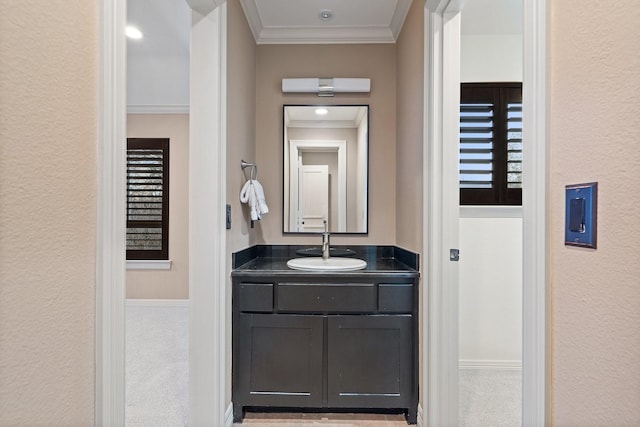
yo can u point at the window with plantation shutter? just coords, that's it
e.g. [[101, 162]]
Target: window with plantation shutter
[[491, 144], [147, 198]]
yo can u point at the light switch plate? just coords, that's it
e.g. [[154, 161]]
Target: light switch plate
[[581, 215]]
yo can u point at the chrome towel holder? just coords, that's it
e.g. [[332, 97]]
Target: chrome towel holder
[[254, 169]]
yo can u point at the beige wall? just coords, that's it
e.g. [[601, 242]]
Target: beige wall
[[174, 283], [377, 62], [410, 102], [241, 89], [241, 71], [594, 134], [48, 128]]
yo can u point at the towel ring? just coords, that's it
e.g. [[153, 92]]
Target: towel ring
[[254, 169]]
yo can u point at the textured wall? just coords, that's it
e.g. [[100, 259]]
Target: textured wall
[[48, 85], [594, 134], [376, 62], [174, 283]]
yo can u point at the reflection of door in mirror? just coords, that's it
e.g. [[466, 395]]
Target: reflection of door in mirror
[[338, 139], [333, 155], [313, 198]]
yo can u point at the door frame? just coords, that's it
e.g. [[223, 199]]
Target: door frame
[[298, 145], [207, 245], [110, 259], [441, 201], [440, 360]]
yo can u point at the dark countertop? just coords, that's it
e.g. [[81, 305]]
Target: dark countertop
[[273, 259]]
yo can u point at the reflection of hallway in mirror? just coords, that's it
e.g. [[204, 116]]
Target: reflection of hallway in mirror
[[490, 397]]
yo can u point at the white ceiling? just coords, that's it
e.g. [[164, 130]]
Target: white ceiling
[[352, 21], [158, 64]]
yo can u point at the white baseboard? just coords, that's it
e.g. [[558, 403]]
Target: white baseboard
[[509, 365], [158, 109], [151, 264], [177, 303], [420, 422], [228, 416]]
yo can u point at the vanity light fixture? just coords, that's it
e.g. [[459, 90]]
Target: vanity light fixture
[[326, 86]]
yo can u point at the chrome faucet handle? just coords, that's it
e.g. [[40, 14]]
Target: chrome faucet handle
[[325, 242]]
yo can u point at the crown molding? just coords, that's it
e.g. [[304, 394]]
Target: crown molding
[[400, 14], [333, 35], [326, 34]]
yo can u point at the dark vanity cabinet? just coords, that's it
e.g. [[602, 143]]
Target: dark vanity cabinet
[[325, 341]]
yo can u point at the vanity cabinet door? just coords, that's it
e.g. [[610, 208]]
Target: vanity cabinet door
[[370, 361], [280, 360]]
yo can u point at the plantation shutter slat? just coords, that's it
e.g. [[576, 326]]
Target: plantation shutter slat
[[514, 145], [476, 145], [490, 161], [147, 198]]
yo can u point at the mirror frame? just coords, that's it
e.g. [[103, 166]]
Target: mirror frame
[[284, 148]]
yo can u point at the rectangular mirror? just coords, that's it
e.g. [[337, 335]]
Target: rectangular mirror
[[325, 176]]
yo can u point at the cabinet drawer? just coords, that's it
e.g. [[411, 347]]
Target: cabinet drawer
[[395, 298], [326, 298], [255, 297]]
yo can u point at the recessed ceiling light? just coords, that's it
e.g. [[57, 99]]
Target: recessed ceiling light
[[132, 32], [321, 111], [326, 14]]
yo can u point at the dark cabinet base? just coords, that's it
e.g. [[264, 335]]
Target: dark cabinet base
[[281, 360], [325, 345], [369, 361]]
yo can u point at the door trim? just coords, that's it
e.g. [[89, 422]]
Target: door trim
[[208, 281], [208, 326], [110, 223], [440, 377], [536, 345], [442, 89]]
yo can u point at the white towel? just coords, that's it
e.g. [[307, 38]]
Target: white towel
[[253, 194], [262, 204]]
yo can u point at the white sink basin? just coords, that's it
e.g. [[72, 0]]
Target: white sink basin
[[331, 264]]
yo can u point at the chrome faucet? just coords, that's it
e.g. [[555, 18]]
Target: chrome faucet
[[325, 241]]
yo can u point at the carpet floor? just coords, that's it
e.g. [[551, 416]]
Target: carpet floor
[[157, 389], [157, 366], [490, 398]]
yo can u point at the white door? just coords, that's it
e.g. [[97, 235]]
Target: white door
[[313, 198]]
